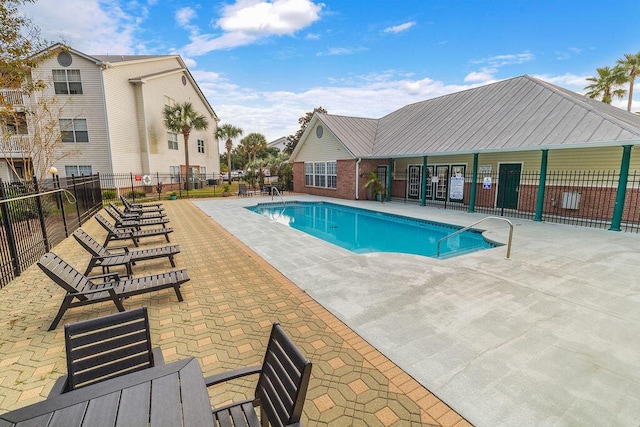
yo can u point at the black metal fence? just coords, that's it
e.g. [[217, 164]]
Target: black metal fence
[[157, 186], [582, 198], [37, 215]]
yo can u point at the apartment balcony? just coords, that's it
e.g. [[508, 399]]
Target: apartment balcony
[[14, 146], [12, 97]]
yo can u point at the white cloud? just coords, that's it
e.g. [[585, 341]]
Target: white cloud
[[185, 15], [507, 59], [399, 28], [248, 21], [339, 51], [482, 76], [91, 26]]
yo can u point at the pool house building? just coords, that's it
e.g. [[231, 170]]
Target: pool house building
[[520, 147]]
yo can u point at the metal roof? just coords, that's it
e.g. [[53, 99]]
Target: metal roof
[[511, 115]]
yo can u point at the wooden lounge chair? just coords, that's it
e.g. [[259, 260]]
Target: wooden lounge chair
[[83, 290], [134, 235], [105, 258], [137, 215], [139, 207], [107, 347], [128, 222], [281, 390]]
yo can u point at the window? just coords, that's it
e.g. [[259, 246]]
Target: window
[[74, 130], [308, 174], [77, 170], [332, 175], [200, 146], [169, 102], [321, 174], [67, 82], [203, 171], [175, 172], [173, 140]]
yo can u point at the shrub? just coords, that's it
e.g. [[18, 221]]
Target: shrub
[[108, 195], [135, 194]]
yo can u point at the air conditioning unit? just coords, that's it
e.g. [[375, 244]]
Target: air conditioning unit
[[570, 200]]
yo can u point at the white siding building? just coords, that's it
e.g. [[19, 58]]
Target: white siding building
[[112, 118]]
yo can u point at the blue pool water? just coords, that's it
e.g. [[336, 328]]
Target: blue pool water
[[362, 231]]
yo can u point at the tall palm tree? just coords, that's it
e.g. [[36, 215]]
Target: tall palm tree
[[631, 66], [229, 132], [253, 144], [607, 84], [183, 118]]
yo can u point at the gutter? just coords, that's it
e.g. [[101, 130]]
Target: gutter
[[358, 176]]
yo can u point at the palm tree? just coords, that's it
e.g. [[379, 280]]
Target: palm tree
[[631, 66], [253, 144], [607, 84], [229, 132], [183, 118]]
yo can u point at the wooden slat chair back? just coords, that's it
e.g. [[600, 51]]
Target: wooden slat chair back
[[140, 208], [281, 389], [90, 244], [107, 347], [283, 382], [114, 233], [136, 215]]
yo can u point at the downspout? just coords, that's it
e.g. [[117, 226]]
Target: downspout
[[357, 178]]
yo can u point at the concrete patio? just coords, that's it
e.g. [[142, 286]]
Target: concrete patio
[[547, 338], [230, 303]]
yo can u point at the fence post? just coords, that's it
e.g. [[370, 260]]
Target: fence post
[[43, 226], [56, 185], [618, 209], [11, 238], [541, 186], [133, 193], [474, 185]]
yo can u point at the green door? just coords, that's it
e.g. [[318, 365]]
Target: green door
[[509, 185]]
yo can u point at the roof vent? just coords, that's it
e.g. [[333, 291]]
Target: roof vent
[[64, 58]]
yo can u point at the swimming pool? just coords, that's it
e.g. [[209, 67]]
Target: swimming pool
[[363, 231]]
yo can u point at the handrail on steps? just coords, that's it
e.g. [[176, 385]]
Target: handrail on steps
[[476, 223]]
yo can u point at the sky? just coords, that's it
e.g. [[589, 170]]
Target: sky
[[263, 64]]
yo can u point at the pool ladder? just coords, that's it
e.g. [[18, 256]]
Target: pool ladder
[[476, 223], [284, 206]]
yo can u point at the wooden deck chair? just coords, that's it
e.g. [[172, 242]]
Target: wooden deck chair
[[105, 258], [134, 235], [281, 389], [82, 290], [139, 207], [128, 222], [107, 347], [137, 215]]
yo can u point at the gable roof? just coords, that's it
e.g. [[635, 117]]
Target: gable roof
[[522, 113]]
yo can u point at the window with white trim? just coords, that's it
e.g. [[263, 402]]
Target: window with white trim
[[77, 170], [200, 146], [67, 82], [74, 130], [172, 137], [175, 172], [203, 171], [321, 174]]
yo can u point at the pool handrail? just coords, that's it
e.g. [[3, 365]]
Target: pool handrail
[[476, 223]]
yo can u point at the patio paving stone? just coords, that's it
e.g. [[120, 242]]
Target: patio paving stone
[[229, 305]]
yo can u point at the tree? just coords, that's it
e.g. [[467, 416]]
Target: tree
[[303, 121], [30, 135], [607, 84], [631, 66], [252, 144], [229, 132], [183, 118]]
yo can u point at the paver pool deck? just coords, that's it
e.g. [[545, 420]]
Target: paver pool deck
[[229, 305], [549, 337]]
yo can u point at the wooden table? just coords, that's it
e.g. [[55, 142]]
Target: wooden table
[[166, 395]]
